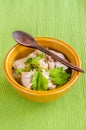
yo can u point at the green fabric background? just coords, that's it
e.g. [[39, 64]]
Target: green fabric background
[[61, 19]]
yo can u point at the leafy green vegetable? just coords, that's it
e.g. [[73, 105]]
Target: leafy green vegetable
[[35, 80], [39, 81], [42, 82], [19, 71], [34, 61], [28, 61], [59, 76]]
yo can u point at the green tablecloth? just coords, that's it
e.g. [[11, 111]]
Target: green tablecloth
[[61, 19]]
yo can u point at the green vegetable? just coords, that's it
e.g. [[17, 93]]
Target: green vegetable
[[59, 76], [28, 61], [19, 71], [34, 61], [39, 81], [35, 81], [42, 82]]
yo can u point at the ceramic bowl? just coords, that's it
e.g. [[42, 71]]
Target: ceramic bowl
[[18, 51]]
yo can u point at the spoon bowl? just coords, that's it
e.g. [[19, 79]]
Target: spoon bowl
[[24, 38]]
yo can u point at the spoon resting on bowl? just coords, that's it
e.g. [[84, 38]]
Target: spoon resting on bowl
[[27, 40]]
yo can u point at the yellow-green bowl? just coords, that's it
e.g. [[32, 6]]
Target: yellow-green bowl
[[18, 51]]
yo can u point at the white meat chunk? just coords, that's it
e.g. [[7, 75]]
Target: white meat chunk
[[50, 61], [37, 52], [46, 74], [32, 55], [19, 64], [51, 85], [57, 63], [26, 79], [43, 64], [49, 58], [58, 54], [51, 65]]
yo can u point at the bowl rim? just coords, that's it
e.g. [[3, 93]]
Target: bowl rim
[[41, 93]]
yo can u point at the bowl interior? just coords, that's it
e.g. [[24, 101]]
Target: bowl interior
[[19, 51]]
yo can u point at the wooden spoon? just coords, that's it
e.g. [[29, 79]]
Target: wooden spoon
[[27, 40]]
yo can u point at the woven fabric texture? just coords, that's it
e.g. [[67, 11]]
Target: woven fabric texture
[[61, 19]]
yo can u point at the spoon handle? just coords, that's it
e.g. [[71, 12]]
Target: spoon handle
[[57, 58]]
